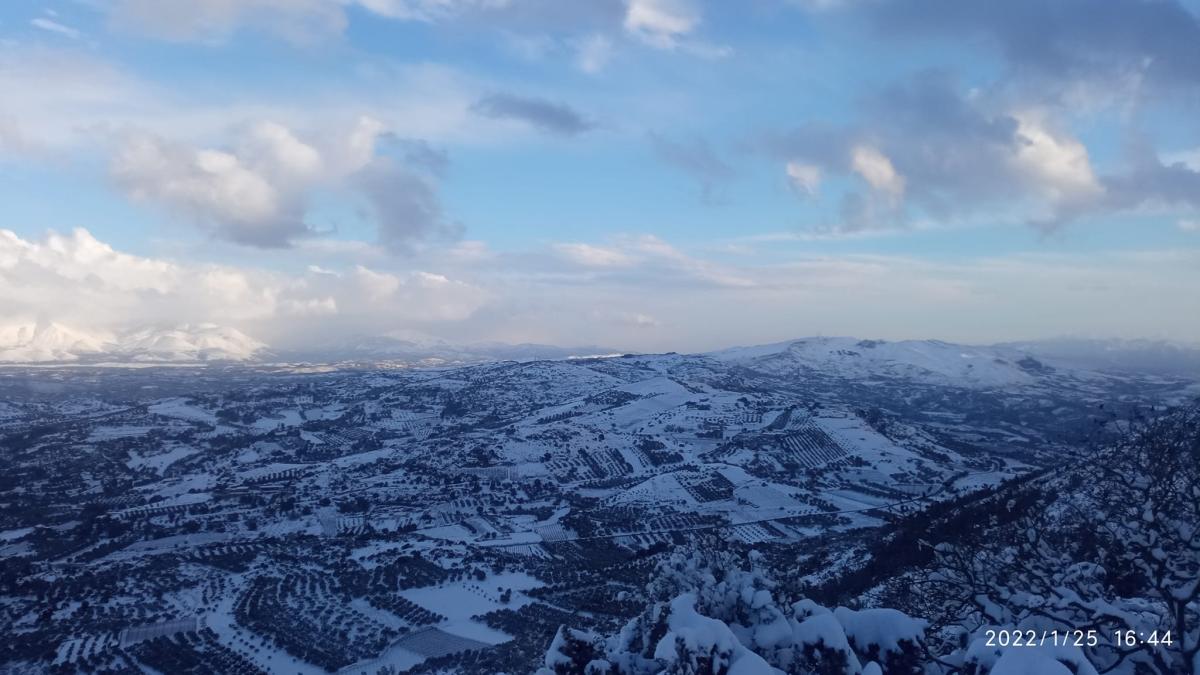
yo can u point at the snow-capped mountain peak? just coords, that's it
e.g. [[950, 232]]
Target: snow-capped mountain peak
[[920, 360], [42, 341], [189, 342]]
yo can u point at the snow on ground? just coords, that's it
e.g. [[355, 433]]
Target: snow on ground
[[754, 352], [766, 499], [302, 525], [16, 550], [361, 553], [289, 418], [661, 489], [179, 408], [854, 499], [105, 433], [856, 437], [361, 458], [191, 490], [9, 410], [459, 601], [449, 533], [658, 395], [158, 462], [396, 656], [921, 360], [12, 535], [267, 470], [178, 541], [328, 412], [250, 645], [170, 489], [514, 538]]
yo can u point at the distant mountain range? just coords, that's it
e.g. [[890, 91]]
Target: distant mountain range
[[1143, 356], [992, 365], [45, 342], [428, 351], [919, 360], [48, 342], [995, 365]]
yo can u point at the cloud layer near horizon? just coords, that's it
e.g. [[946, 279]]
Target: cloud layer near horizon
[[596, 292]]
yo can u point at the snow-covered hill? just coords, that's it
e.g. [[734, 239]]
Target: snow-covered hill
[[477, 508], [930, 361], [922, 361], [45, 342], [195, 342]]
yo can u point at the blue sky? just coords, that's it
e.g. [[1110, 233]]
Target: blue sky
[[642, 174]]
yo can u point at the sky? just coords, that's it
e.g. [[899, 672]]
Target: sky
[[645, 175]]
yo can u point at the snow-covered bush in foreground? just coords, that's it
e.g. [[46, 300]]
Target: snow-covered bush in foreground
[[710, 616], [677, 638], [1041, 660]]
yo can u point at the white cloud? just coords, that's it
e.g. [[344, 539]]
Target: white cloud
[[805, 179], [78, 281], [82, 282], [594, 256], [647, 257], [1057, 165], [1189, 225], [218, 189], [376, 285], [60, 101], [875, 168], [310, 307], [641, 320], [87, 282], [427, 10], [416, 296], [892, 297], [257, 191], [470, 251], [274, 150], [661, 23], [80, 257], [52, 26]]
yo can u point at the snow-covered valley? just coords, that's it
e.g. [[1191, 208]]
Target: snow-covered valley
[[273, 519]]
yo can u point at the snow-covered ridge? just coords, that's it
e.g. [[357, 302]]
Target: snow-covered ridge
[[39, 342], [928, 361], [45, 342], [48, 342], [201, 342], [921, 360]]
